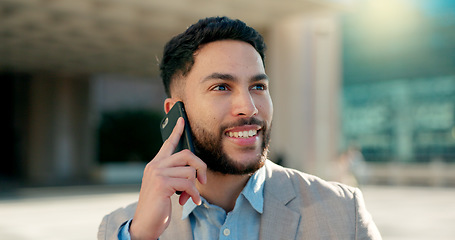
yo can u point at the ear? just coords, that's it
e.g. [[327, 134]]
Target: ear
[[169, 103]]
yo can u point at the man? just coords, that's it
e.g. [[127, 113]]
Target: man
[[229, 188]]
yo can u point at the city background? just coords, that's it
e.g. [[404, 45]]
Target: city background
[[363, 91]]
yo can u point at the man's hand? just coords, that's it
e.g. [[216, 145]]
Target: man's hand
[[163, 176]]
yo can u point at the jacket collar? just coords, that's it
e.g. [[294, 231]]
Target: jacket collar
[[278, 221]]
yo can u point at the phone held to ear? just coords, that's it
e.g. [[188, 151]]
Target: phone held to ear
[[168, 124]]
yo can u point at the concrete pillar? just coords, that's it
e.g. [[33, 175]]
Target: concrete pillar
[[304, 66], [60, 147]]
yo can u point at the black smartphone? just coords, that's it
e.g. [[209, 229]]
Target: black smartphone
[[168, 124]]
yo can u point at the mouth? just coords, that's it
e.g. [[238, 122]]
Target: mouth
[[243, 132]]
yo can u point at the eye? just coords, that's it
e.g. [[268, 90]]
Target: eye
[[260, 87], [220, 87]]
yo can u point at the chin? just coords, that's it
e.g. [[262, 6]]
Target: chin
[[244, 166], [225, 158]]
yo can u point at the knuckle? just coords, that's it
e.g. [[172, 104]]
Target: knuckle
[[147, 169], [150, 166], [192, 175], [204, 165], [186, 153], [151, 169], [189, 184]]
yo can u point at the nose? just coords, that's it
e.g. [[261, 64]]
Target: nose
[[244, 105]]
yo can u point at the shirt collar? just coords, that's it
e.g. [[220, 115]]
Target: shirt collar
[[190, 206], [253, 192]]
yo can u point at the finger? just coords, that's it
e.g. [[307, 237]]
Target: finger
[[187, 187], [186, 172], [171, 143], [183, 198], [202, 174], [187, 158]]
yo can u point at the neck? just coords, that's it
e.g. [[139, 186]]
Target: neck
[[223, 189]]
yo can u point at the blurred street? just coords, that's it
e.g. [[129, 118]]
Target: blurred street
[[72, 213]]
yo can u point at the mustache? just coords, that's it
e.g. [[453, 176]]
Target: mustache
[[243, 122]]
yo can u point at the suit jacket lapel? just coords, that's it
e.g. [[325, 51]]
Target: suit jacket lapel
[[278, 221]]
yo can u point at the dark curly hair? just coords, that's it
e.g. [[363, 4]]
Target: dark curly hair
[[178, 56]]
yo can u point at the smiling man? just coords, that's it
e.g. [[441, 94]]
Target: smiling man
[[229, 188]]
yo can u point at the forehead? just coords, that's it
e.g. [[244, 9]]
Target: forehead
[[236, 58]]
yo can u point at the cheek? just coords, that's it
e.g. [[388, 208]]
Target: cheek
[[210, 111], [202, 119], [266, 108]]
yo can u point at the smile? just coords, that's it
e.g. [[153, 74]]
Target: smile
[[242, 134]]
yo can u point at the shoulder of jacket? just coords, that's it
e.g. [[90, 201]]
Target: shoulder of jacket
[[110, 223], [304, 182]]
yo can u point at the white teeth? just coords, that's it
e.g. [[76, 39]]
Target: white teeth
[[242, 134]]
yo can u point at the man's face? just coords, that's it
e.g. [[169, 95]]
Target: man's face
[[229, 107]]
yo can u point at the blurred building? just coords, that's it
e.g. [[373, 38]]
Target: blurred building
[[398, 101], [80, 76], [72, 68]]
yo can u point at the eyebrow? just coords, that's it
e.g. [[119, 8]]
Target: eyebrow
[[229, 77]]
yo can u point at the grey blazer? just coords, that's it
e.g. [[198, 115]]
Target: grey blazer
[[296, 206]]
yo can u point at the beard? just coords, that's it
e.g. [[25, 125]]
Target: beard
[[208, 148]]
